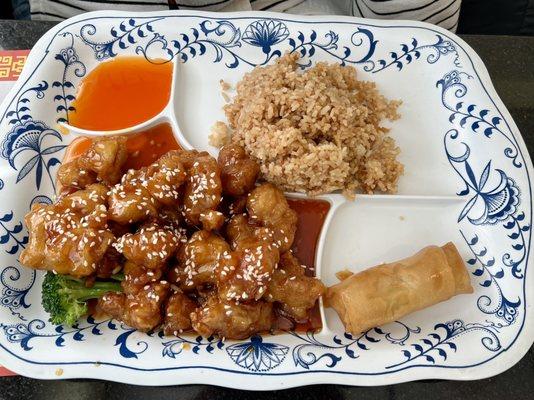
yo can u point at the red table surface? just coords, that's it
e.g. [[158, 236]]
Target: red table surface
[[11, 63]]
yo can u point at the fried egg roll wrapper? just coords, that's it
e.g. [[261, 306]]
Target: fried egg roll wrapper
[[390, 291]]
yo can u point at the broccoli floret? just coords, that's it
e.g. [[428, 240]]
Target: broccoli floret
[[65, 298]]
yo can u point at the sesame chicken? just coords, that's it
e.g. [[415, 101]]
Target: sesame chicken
[[119, 229], [170, 218], [198, 260], [70, 236], [203, 190], [142, 193], [164, 178], [231, 320], [248, 281], [130, 201], [151, 246], [112, 263], [188, 258], [71, 175], [234, 205], [238, 171], [294, 292], [137, 276], [177, 318], [240, 229], [141, 310], [102, 162], [142, 300], [212, 220], [106, 157], [268, 207]]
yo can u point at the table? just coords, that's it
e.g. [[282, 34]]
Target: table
[[510, 61]]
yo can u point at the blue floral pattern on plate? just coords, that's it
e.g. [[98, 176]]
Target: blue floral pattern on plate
[[494, 189]]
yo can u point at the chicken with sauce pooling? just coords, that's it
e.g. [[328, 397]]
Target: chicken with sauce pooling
[[188, 258]]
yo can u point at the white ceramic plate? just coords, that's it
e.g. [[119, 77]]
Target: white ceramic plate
[[467, 180]]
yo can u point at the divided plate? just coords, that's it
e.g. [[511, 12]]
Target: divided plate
[[467, 180]]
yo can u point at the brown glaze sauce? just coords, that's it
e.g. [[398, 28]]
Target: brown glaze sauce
[[311, 217]]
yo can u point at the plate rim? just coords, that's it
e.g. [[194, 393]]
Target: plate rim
[[525, 333]]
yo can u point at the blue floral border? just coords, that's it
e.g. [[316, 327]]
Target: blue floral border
[[407, 55]]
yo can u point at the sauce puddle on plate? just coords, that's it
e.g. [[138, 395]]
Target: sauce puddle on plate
[[121, 93], [311, 217], [143, 148]]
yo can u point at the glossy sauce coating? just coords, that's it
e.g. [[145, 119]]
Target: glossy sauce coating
[[121, 93], [148, 146]]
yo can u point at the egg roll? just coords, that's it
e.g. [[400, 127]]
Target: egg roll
[[387, 292]]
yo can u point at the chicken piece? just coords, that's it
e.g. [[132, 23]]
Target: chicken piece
[[231, 320], [178, 314], [296, 292], [101, 162], [141, 193], [141, 310], [171, 220], [212, 220], [248, 281], [70, 236], [239, 229], [70, 175], [111, 263], [106, 157], [238, 171], [137, 276], [141, 288], [237, 206], [164, 178], [198, 259], [90, 202], [267, 207], [203, 190], [130, 201], [231, 206], [151, 246], [112, 304]]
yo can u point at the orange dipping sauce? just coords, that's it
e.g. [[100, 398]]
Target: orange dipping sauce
[[143, 148], [121, 93]]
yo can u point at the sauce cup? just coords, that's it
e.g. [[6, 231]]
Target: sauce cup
[[166, 115]]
